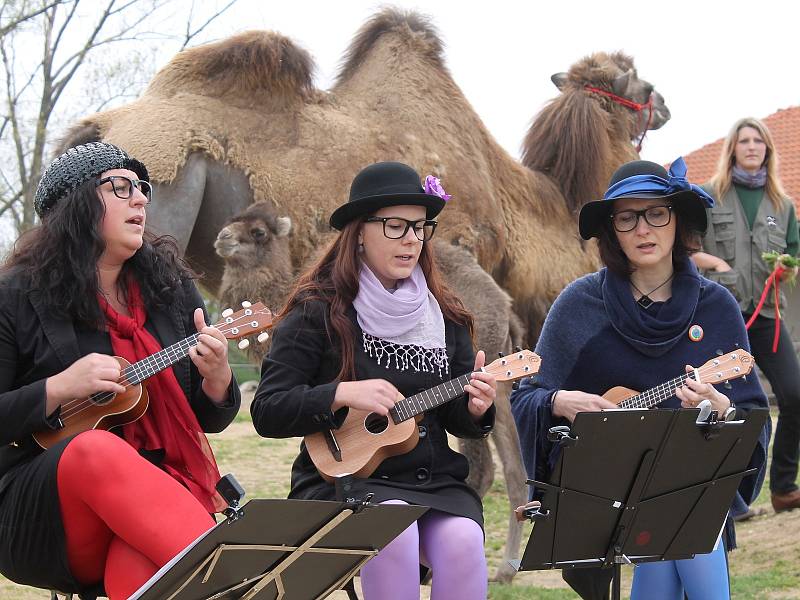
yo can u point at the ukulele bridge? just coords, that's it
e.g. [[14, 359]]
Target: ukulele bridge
[[333, 445]]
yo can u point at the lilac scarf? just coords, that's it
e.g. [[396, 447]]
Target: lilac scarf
[[404, 325]]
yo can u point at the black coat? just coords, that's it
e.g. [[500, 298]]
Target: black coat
[[33, 346], [298, 385]]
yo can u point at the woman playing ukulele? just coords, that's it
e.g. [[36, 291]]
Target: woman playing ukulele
[[371, 322], [98, 510], [637, 323]]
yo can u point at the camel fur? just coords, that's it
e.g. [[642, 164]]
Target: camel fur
[[394, 99]]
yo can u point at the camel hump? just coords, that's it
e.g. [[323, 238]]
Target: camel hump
[[245, 66], [82, 132], [417, 29]]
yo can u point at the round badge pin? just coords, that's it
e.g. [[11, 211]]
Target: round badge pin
[[695, 333]]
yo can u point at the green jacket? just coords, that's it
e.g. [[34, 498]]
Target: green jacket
[[729, 237]]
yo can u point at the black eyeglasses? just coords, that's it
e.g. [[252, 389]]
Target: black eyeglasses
[[395, 228], [655, 216], [123, 187]]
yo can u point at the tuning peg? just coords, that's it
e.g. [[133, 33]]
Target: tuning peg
[[517, 348], [262, 337], [246, 304], [728, 385], [243, 344], [744, 378], [515, 385], [719, 352], [227, 312], [500, 354]]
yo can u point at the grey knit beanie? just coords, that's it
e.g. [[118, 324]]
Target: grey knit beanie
[[78, 165]]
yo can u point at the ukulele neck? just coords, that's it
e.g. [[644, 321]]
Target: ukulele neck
[[147, 367], [656, 395], [410, 407]]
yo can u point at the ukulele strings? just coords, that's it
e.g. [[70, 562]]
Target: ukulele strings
[[76, 406], [653, 393]]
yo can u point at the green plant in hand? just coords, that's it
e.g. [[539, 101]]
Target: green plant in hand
[[787, 261]]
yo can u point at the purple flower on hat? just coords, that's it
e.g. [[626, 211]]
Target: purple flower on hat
[[434, 187]]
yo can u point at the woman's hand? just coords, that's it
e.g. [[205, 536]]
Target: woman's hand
[[372, 395], [790, 273], [720, 266], [568, 403], [693, 392], [482, 389], [87, 375], [210, 356]]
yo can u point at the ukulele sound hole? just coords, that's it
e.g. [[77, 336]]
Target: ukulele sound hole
[[102, 398], [376, 423]]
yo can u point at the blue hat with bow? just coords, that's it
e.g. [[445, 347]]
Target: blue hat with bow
[[649, 180]]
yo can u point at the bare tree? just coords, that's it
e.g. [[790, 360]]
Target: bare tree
[[46, 45]]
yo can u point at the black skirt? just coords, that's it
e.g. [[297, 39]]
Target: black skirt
[[33, 548], [442, 493]]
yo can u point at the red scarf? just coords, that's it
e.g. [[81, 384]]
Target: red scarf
[[169, 423]]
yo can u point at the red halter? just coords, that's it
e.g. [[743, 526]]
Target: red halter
[[627, 103]]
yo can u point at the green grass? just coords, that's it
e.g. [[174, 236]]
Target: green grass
[[526, 592], [766, 566], [781, 576]]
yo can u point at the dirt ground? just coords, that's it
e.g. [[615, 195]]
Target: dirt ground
[[263, 467]]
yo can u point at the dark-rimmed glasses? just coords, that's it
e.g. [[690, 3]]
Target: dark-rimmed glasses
[[123, 186], [655, 216], [395, 228]]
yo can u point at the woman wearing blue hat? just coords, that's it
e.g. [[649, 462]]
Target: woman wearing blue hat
[[99, 511], [637, 323], [369, 323]]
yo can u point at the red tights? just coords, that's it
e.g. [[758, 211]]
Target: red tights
[[124, 518]]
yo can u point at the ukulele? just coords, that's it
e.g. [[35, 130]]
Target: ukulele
[[104, 410], [365, 439], [732, 365]]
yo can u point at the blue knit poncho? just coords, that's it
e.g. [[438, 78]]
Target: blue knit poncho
[[597, 337]]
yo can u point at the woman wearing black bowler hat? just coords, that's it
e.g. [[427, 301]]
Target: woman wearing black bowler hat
[[637, 323], [370, 322]]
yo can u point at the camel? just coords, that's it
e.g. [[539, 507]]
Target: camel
[[238, 121], [241, 120]]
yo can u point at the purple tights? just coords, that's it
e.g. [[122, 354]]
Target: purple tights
[[451, 546]]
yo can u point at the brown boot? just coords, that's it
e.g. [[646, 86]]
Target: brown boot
[[787, 501]]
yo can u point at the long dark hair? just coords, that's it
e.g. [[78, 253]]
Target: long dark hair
[[687, 241], [59, 259], [333, 279]]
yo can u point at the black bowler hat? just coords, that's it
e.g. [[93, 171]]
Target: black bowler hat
[[648, 180], [388, 184]]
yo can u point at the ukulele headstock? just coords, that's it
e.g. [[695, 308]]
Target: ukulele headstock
[[730, 365], [522, 363], [250, 320]]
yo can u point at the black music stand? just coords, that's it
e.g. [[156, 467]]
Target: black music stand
[[281, 550], [638, 485]]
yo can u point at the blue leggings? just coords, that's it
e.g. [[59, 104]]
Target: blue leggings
[[704, 576]]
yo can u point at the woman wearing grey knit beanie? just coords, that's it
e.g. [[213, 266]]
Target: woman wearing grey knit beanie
[[95, 511]]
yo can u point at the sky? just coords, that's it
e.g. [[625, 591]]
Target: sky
[[713, 62]]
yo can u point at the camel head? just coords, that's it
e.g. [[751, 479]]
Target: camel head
[[615, 74], [255, 238], [586, 132]]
